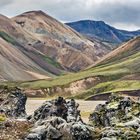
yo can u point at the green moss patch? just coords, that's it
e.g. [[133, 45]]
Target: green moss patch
[[2, 118], [52, 62], [8, 38]]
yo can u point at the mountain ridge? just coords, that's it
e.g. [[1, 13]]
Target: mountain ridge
[[102, 31]]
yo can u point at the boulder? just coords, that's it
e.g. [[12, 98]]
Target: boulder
[[60, 108], [118, 118], [58, 119], [13, 103]]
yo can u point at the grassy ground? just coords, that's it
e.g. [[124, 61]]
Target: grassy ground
[[110, 87], [66, 79]]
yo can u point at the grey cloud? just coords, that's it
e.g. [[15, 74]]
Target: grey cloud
[[111, 11], [119, 12], [5, 2]]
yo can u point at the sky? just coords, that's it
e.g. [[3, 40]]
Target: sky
[[122, 14]]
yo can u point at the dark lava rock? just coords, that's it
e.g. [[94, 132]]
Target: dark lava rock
[[57, 128], [60, 108], [119, 118], [13, 103], [58, 120]]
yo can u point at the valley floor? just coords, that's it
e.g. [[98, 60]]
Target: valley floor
[[86, 107]]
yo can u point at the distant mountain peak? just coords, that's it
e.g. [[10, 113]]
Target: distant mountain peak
[[102, 31]]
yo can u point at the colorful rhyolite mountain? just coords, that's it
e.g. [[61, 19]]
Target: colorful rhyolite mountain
[[102, 31], [34, 45]]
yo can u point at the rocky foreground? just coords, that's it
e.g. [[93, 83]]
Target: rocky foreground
[[117, 119]]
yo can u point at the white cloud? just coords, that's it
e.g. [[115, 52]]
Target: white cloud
[[129, 27]]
